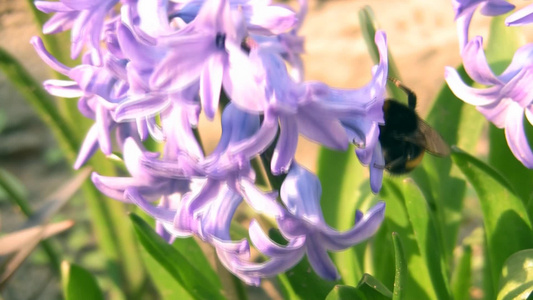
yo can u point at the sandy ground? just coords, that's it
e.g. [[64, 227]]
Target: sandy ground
[[421, 37]]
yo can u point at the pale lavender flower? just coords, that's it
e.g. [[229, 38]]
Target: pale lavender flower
[[464, 11], [303, 225], [208, 51], [329, 116], [508, 97], [98, 91], [85, 18]]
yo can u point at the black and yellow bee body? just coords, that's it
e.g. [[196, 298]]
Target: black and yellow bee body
[[405, 137]]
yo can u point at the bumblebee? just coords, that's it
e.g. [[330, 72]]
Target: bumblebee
[[405, 137]]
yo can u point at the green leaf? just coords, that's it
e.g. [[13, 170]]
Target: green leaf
[[369, 26], [458, 124], [462, 275], [423, 224], [505, 219], [78, 283], [401, 267], [341, 178], [373, 288], [418, 283], [368, 288], [516, 281], [344, 292], [164, 282], [176, 264]]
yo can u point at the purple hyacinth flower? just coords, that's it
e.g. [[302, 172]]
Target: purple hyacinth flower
[[521, 17], [508, 97], [208, 51], [464, 11], [85, 18], [303, 225], [329, 116]]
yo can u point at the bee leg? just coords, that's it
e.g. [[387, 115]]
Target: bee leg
[[411, 96], [396, 163]]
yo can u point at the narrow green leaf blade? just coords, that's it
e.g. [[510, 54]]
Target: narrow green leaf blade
[[341, 177], [186, 274], [424, 228], [368, 288], [418, 280], [41, 101], [78, 283], [462, 276], [344, 292], [164, 282], [516, 281], [401, 268], [373, 288], [506, 222], [458, 124]]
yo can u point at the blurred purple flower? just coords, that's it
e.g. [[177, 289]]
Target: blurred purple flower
[[521, 17], [303, 225], [85, 18], [508, 97], [464, 11]]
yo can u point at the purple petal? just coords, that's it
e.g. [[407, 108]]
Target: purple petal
[[292, 227], [183, 66], [147, 105], [88, 147], [63, 88], [285, 146], [467, 94], [266, 246], [241, 82], [462, 23], [237, 126], [363, 229], [320, 260], [496, 112], [217, 220], [104, 138], [521, 17], [518, 88], [112, 187], [257, 143], [133, 156], [47, 57], [270, 19], [300, 192], [259, 201], [60, 22], [211, 83], [475, 63], [159, 213], [522, 57], [48, 7], [516, 137], [494, 8], [324, 129]]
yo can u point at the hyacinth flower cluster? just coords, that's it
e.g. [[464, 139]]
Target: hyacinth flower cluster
[[508, 96], [150, 67]]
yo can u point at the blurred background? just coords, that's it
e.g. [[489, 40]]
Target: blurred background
[[422, 40]]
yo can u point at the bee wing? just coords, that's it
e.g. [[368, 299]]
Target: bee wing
[[433, 142]]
